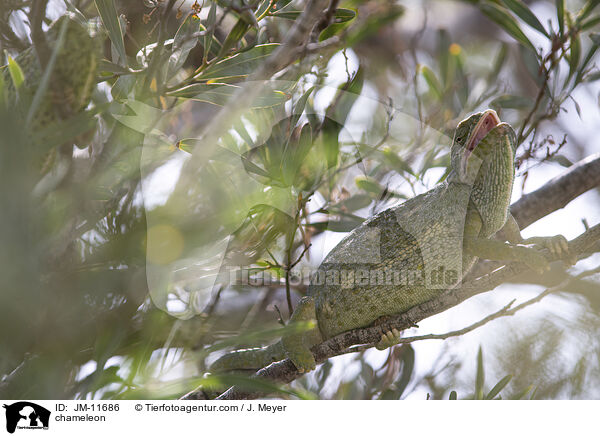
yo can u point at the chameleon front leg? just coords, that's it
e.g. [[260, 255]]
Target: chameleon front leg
[[297, 345], [494, 249], [556, 244]]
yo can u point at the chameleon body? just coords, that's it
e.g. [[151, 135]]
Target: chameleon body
[[73, 76], [409, 254], [68, 92]]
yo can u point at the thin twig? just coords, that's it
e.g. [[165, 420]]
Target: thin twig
[[502, 312], [306, 247]]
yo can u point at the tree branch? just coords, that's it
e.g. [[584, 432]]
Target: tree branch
[[36, 17], [558, 192], [285, 371], [505, 311]]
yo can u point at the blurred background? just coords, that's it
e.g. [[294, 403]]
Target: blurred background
[[149, 148]]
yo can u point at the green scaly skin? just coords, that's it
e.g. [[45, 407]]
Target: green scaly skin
[[73, 76], [409, 254]]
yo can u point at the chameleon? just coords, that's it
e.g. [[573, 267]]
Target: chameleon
[[410, 253], [72, 80]]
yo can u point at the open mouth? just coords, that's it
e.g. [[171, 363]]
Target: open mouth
[[485, 125], [488, 121]]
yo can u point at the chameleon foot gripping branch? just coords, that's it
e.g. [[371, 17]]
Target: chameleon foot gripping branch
[[410, 253]]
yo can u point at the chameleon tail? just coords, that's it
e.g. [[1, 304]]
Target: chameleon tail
[[252, 358]]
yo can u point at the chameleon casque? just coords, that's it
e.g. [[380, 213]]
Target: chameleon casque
[[410, 253]]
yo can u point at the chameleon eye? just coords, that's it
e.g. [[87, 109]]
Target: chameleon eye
[[459, 139]]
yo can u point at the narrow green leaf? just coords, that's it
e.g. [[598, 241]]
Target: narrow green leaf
[[577, 107], [183, 43], [462, 88], [240, 128], [341, 20], [235, 35], [353, 203], [210, 29], [123, 87], [345, 224], [432, 81], [511, 102], [238, 65], [561, 160], [408, 367], [110, 19], [76, 14], [16, 73], [592, 78], [560, 15], [264, 6], [533, 394], [525, 14], [107, 66], [584, 64], [499, 386], [300, 105], [396, 162], [532, 64], [523, 393], [591, 23], [294, 154], [220, 93], [588, 8], [499, 62], [346, 96], [443, 49], [507, 22], [480, 377], [333, 29], [341, 15], [252, 168], [445, 175], [368, 185], [329, 141], [373, 24], [574, 56]]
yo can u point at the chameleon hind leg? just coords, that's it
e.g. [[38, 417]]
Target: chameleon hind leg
[[297, 344], [555, 244], [388, 339]]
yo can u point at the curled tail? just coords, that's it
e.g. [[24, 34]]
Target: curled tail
[[252, 358]]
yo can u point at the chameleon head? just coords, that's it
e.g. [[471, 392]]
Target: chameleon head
[[483, 154], [476, 136]]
